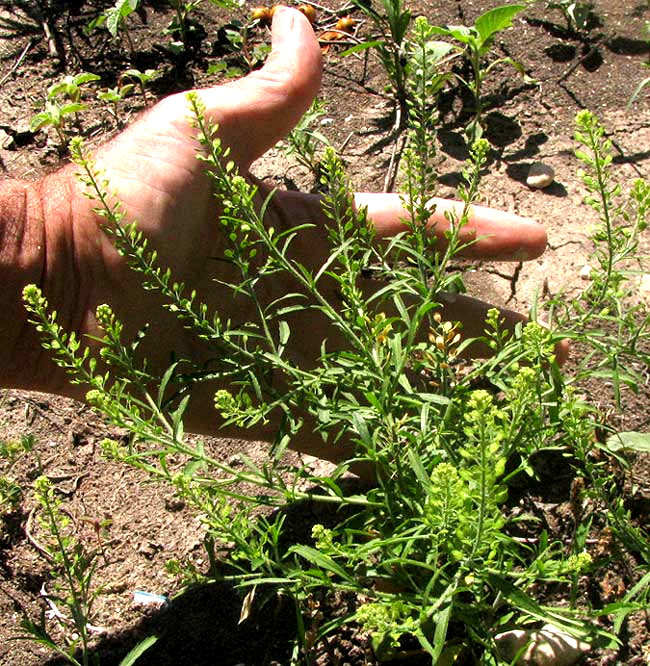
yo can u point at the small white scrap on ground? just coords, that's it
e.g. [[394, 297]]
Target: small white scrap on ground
[[540, 175], [548, 646], [149, 599]]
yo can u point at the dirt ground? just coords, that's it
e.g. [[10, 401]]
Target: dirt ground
[[598, 70]]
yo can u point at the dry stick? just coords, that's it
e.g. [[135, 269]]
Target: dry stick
[[30, 537], [65, 477], [344, 145], [51, 43], [342, 10], [321, 8], [575, 65], [391, 174], [49, 36], [16, 65], [351, 41]]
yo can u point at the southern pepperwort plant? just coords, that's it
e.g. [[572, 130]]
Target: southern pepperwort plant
[[428, 551]]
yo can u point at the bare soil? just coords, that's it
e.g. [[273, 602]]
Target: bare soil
[[598, 70]]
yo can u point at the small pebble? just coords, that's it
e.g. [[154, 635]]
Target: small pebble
[[549, 646], [585, 272], [540, 175], [644, 287]]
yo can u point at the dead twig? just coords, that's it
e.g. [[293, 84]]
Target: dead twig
[[393, 165], [32, 539], [16, 65]]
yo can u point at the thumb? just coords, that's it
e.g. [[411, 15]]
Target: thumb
[[256, 111]]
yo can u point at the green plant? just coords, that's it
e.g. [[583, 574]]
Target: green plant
[[116, 17], [186, 31], [241, 55], [70, 86], [141, 79], [421, 58], [112, 98], [55, 113], [476, 42], [304, 142], [11, 450], [605, 315], [611, 326], [425, 82], [579, 16], [392, 24], [183, 28], [11, 492], [66, 628], [430, 548], [73, 569]]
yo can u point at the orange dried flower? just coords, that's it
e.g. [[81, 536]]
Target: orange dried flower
[[261, 14], [345, 24], [309, 11]]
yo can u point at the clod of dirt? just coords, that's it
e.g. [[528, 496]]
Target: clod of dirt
[[548, 646], [540, 175]]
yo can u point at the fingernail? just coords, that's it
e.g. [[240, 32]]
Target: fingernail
[[283, 21], [281, 15]]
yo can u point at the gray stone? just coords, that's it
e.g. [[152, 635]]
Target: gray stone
[[540, 175]]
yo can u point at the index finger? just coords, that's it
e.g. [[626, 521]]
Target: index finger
[[492, 234]]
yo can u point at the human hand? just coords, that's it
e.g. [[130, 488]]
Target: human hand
[[152, 167]]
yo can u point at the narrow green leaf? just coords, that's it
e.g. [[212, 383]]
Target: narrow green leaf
[[418, 468], [284, 331], [637, 91], [138, 651], [440, 634], [319, 560], [177, 418], [163, 384], [360, 426], [519, 599], [364, 46]]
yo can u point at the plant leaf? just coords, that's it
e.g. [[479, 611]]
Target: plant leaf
[[459, 32], [320, 560], [138, 651], [637, 441], [495, 20], [362, 47]]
